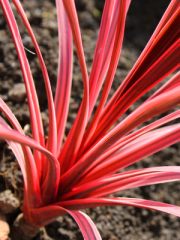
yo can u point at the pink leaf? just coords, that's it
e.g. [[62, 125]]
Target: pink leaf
[[64, 72], [43, 216], [36, 121], [49, 189], [122, 181], [151, 108], [136, 150], [74, 138], [52, 122], [117, 45], [166, 64], [95, 202]]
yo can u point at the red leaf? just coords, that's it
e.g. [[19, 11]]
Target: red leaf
[[64, 78], [43, 216]]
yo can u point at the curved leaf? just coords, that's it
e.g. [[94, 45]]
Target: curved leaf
[[95, 202], [52, 122], [26, 162], [121, 181], [165, 25], [149, 109], [43, 216], [166, 64], [49, 190], [136, 150], [119, 34], [36, 121]]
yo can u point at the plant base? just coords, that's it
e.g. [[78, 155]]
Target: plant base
[[22, 230]]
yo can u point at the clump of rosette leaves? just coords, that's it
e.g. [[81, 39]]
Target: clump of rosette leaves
[[65, 176]]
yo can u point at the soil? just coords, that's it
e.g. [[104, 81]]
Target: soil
[[112, 222]]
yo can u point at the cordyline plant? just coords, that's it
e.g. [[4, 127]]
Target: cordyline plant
[[64, 177]]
